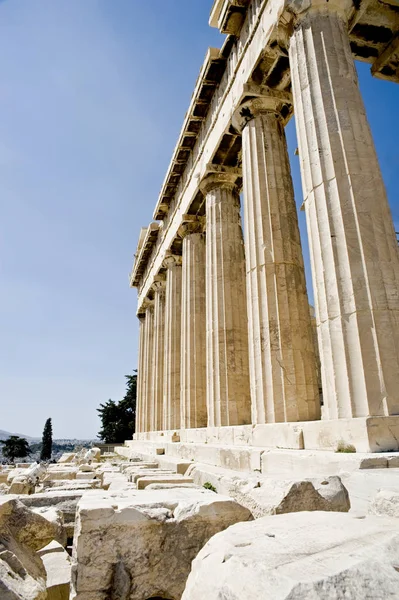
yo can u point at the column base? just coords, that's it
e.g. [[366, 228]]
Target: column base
[[363, 434]]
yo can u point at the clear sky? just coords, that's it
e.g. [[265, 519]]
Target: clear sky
[[92, 97]]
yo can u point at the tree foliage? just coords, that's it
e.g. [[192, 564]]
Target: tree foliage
[[15, 447], [47, 441], [118, 418]]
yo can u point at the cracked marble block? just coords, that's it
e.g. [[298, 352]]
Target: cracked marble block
[[138, 545]]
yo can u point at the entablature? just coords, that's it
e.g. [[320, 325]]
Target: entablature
[[144, 250], [247, 66], [207, 81]]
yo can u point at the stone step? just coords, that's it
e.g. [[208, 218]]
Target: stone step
[[143, 482], [156, 473]]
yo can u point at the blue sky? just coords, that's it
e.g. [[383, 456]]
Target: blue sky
[[92, 98]]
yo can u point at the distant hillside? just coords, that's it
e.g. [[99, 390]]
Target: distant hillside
[[6, 434]]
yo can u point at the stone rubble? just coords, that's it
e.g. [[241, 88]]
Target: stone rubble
[[298, 556], [148, 540]]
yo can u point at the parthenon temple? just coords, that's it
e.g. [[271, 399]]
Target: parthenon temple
[[228, 350]]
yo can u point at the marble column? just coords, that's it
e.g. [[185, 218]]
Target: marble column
[[140, 373], [173, 310], [193, 334], [147, 360], [354, 253], [228, 394], [158, 355], [281, 349]]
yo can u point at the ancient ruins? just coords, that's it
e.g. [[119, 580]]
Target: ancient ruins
[[239, 482], [226, 337]]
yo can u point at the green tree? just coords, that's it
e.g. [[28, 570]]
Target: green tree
[[15, 447], [47, 441], [118, 418]]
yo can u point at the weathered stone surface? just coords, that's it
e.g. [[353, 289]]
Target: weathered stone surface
[[19, 581], [143, 482], [4, 488], [385, 504], [172, 360], [193, 353], [147, 539], [353, 247], [22, 533], [65, 473], [26, 527], [273, 496], [133, 477], [228, 395], [297, 556], [67, 457], [282, 357], [20, 485], [57, 564]]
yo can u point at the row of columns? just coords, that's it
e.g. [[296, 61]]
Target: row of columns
[[230, 340]]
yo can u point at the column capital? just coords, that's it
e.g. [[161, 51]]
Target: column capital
[[301, 8], [147, 304], [191, 224], [141, 311], [159, 284], [223, 178], [171, 260], [272, 102]]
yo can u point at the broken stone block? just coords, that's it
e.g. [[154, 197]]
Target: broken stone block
[[271, 496], [26, 527], [20, 485], [22, 533], [140, 544], [61, 474], [67, 457], [274, 497], [312, 555], [385, 504], [57, 564], [4, 488]]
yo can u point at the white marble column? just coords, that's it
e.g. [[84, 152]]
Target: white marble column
[[228, 393], [147, 359], [281, 350], [173, 310], [140, 373], [158, 355], [354, 253], [193, 334]]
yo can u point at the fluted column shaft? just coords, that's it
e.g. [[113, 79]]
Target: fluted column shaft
[[193, 334], [173, 308], [140, 373], [228, 394], [158, 356], [147, 389], [354, 253], [281, 350]]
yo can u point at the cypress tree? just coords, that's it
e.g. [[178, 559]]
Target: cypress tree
[[47, 441]]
